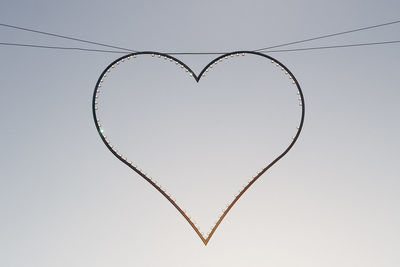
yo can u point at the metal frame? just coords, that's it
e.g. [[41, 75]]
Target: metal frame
[[205, 240]]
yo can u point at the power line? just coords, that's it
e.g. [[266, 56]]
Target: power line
[[187, 53], [329, 35], [66, 37], [183, 53]]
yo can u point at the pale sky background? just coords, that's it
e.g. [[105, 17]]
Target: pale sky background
[[333, 201]]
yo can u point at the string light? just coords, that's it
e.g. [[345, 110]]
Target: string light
[[145, 175]]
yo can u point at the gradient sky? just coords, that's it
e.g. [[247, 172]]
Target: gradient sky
[[333, 201]]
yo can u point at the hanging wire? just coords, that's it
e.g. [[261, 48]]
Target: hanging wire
[[183, 53], [63, 48], [265, 49], [66, 37], [329, 35]]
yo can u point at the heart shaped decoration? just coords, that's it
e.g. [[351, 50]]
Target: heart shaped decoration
[[205, 238]]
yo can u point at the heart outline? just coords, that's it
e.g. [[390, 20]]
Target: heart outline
[[197, 78]]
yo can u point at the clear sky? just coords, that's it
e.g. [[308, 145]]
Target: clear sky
[[333, 201]]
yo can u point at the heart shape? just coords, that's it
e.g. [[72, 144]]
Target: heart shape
[[205, 238]]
